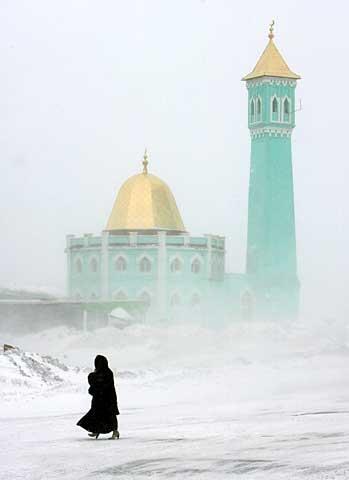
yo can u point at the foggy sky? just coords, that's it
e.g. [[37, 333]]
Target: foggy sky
[[86, 85]]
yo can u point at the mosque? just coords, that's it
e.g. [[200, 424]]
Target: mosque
[[146, 256]]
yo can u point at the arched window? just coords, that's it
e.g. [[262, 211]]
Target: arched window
[[120, 264], [275, 105], [145, 265], [93, 265], [259, 110], [196, 266], [252, 110], [120, 295], [176, 265], [195, 300], [286, 110], [275, 110], [175, 300], [78, 265], [145, 297]]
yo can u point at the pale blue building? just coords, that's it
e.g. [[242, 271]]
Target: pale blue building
[[146, 255]]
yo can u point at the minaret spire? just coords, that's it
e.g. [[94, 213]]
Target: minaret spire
[[145, 162], [271, 62]]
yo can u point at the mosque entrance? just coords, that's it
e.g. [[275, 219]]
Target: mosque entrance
[[118, 313]]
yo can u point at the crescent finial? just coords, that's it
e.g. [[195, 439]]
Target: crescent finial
[[271, 30]]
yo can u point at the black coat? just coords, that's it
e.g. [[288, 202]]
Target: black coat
[[101, 418]]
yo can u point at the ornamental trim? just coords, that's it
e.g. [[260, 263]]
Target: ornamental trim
[[271, 81], [270, 132]]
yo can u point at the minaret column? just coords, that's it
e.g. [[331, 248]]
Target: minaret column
[[105, 266], [133, 239], [209, 256], [162, 276], [271, 263], [69, 265]]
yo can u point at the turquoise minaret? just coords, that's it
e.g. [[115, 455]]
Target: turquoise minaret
[[271, 264]]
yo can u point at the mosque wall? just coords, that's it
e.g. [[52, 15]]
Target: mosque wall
[[167, 272]]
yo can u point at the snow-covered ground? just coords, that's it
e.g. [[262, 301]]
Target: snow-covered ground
[[257, 401]]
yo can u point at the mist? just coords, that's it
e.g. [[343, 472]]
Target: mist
[[86, 86]]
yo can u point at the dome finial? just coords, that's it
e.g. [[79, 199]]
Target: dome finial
[[145, 162], [271, 30]]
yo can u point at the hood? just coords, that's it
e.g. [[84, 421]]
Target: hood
[[101, 363]]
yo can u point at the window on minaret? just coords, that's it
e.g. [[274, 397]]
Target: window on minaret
[[176, 265], [145, 265], [286, 110], [259, 110], [252, 111], [275, 110], [120, 264]]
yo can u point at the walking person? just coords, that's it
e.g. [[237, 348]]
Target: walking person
[[102, 416]]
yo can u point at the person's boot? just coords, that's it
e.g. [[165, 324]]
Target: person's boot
[[115, 435]]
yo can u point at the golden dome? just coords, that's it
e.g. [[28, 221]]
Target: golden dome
[[145, 202]]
